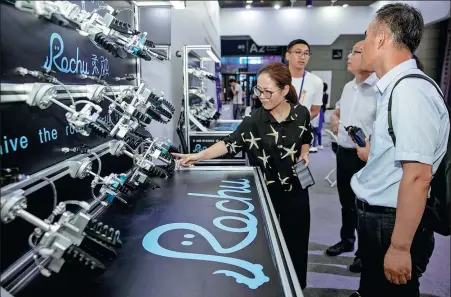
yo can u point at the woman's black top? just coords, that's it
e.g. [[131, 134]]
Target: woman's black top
[[274, 147]]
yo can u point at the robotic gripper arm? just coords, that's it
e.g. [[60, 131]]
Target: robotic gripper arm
[[44, 94], [71, 237], [111, 185], [107, 32], [160, 149], [139, 107], [200, 73], [143, 166], [49, 10]]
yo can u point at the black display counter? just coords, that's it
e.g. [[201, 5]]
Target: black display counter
[[226, 125], [201, 140], [209, 231]]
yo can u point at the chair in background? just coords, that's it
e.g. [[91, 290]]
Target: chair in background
[[334, 149]]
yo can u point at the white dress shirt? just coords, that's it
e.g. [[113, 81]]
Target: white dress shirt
[[357, 108], [421, 125]]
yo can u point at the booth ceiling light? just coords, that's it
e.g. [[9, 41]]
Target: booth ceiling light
[[249, 1], [248, 6], [277, 6], [213, 56], [309, 3], [178, 4]]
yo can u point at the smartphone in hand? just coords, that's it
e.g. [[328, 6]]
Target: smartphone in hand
[[357, 135], [304, 175]]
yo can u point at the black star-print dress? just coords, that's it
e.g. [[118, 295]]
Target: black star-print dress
[[275, 147]]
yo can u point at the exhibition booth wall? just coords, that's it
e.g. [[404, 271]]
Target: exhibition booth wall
[[196, 24], [317, 25], [329, 31]]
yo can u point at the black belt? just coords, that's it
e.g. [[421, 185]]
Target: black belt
[[374, 208], [347, 149]]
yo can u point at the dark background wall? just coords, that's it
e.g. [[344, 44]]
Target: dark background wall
[[30, 136], [29, 42]]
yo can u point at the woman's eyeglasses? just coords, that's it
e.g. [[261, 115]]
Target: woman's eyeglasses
[[263, 94]]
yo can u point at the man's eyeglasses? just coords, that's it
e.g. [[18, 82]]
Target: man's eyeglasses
[[301, 54], [354, 52], [266, 94]]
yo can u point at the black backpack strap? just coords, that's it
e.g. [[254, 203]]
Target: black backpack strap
[[413, 75]]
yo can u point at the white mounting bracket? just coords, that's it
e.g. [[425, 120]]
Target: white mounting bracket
[[41, 94]]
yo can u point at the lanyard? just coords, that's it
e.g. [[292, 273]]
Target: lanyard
[[302, 86]]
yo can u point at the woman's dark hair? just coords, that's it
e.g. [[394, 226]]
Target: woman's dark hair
[[419, 64], [324, 87], [280, 74]]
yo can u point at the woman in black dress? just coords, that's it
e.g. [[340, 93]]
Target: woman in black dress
[[275, 137]]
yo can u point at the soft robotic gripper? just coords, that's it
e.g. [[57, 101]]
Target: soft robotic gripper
[[109, 45], [157, 171], [98, 246], [98, 130]]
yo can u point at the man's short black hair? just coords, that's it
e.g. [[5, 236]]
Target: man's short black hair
[[298, 41], [231, 81], [404, 22]]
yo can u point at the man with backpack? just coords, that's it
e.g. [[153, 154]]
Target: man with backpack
[[408, 160]]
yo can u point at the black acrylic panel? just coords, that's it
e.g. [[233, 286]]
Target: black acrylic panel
[[30, 137], [198, 143], [29, 42], [196, 252]]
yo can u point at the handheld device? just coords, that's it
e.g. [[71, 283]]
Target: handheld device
[[356, 134], [304, 175]]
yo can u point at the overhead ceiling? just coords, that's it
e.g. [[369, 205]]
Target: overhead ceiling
[[295, 3]]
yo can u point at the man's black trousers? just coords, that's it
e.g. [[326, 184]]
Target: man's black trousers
[[348, 164], [376, 226]]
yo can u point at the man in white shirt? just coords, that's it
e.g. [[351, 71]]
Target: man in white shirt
[[309, 87], [356, 107], [237, 98], [407, 146]]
